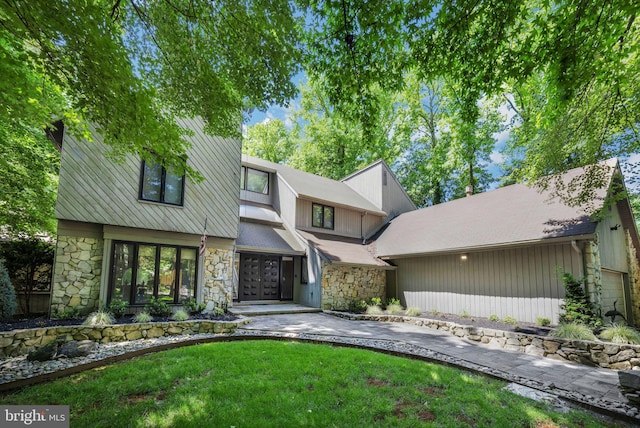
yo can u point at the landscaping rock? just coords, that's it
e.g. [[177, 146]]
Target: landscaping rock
[[77, 349]]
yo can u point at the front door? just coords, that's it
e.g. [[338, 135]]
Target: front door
[[259, 277]]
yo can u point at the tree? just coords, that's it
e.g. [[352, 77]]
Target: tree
[[270, 141], [7, 294]]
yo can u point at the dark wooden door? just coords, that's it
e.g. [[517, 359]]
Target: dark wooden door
[[286, 280], [259, 277]]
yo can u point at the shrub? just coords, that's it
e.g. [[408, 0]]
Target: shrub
[[193, 308], [394, 309], [7, 294], [392, 301], [494, 317], [158, 308], [574, 330], [577, 307], [434, 312], [620, 333], [99, 318], [143, 317], [180, 315], [543, 322], [374, 301], [218, 311], [413, 312], [357, 306], [68, 314], [117, 307], [465, 314], [374, 310], [510, 320]]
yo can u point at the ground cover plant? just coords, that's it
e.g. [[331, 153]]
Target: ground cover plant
[[282, 384]]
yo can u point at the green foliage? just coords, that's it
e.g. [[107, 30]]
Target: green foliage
[[357, 306], [391, 301], [510, 320], [7, 294], [577, 307], [143, 317], [218, 311], [494, 317], [68, 313], [573, 330], [374, 310], [375, 301], [543, 322], [620, 333], [193, 307], [180, 316], [394, 309], [413, 312], [465, 314], [158, 308], [270, 141], [99, 318], [117, 307]]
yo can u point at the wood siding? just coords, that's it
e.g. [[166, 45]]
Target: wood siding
[[95, 189], [522, 283], [612, 243], [284, 201], [347, 222]]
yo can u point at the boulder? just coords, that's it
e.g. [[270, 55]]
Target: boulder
[[77, 349]]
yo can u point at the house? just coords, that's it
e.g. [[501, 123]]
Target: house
[[500, 252], [132, 230], [302, 236]]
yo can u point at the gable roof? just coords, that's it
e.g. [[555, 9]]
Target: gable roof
[[512, 215], [342, 250], [314, 187]]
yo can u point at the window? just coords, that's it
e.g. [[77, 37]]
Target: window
[[304, 272], [322, 216], [254, 180], [159, 185], [141, 271]]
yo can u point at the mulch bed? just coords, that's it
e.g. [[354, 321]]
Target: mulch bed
[[521, 327], [42, 322]]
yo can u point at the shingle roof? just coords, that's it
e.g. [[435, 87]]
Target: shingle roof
[[342, 250], [314, 187], [506, 216], [267, 238]]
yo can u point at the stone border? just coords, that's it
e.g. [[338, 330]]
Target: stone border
[[19, 342], [597, 354]]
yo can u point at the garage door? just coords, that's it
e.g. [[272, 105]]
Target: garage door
[[612, 292]]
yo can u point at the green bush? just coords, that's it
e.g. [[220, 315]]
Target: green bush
[[394, 309], [158, 308], [193, 308], [620, 333], [510, 320], [413, 312], [574, 330], [7, 294], [494, 317], [180, 315], [392, 301], [374, 301], [465, 314], [117, 307], [543, 322], [357, 306], [68, 314], [374, 310], [577, 307], [143, 317], [99, 318]]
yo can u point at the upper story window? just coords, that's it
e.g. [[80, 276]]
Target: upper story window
[[322, 216], [159, 185], [254, 180]]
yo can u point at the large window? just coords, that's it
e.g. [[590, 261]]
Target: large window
[[322, 216], [141, 271], [159, 185], [254, 180]]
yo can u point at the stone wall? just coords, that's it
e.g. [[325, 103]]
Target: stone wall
[[634, 279], [596, 353], [76, 276], [594, 273], [218, 276], [343, 284], [20, 342]]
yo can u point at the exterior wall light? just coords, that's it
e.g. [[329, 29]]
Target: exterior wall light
[[463, 257]]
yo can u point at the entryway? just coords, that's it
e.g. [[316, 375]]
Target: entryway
[[265, 277]]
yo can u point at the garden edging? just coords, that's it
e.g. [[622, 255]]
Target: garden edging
[[19, 342], [593, 353]]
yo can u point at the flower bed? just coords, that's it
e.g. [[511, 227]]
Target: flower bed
[[18, 342], [593, 353]]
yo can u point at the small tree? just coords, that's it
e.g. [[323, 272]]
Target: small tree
[[29, 263], [7, 294], [577, 307]]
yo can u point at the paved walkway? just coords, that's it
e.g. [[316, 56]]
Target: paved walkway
[[586, 385]]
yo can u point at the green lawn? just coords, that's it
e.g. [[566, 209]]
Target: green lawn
[[282, 384]]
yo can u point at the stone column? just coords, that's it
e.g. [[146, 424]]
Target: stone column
[[634, 279], [343, 284], [593, 268], [218, 276]]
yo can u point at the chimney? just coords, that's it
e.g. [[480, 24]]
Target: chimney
[[469, 190]]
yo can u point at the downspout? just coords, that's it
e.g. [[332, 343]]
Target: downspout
[[364, 213]]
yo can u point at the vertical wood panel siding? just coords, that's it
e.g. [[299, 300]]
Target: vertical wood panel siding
[[612, 243], [369, 184], [522, 283], [284, 201], [346, 222], [95, 189]]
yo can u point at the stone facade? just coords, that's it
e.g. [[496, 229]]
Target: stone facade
[[20, 342], [76, 276], [343, 284], [218, 277], [594, 273], [634, 278]]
